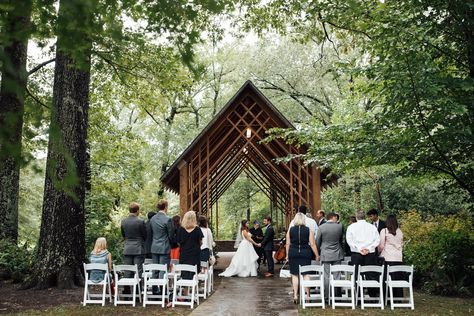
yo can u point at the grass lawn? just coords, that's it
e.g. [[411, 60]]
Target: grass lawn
[[424, 305]]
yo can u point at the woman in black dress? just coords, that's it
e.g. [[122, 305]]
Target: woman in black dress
[[299, 247], [189, 239]]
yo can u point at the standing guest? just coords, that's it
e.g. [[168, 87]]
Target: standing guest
[[190, 239], [267, 244], [347, 248], [149, 235], [100, 254], [390, 248], [373, 215], [363, 239], [207, 240], [134, 233], [308, 221], [329, 242], [300, 248], [320, 220], [174, 253], [257, 237], [162, 232]]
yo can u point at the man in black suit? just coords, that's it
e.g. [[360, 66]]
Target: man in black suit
[[267, 244], [373, 215], [320, 217], [257, 236]]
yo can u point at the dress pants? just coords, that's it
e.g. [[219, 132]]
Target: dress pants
[[132, 260], [369, 259], [270, 263], [327, 265]]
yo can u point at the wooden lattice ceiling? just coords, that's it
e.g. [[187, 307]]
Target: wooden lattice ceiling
[[231, 145]]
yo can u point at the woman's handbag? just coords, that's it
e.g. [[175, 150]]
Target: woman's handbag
[[285, 273]]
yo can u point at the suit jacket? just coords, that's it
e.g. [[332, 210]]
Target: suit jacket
[[162, 228], [329, 241], [149, 237], [323, 221], [381, 225], [134, 232], [267, 242]]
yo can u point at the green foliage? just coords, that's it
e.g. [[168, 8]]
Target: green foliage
[[440, 248], [15, 261]]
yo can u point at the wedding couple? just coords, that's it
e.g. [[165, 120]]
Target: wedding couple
[[244, 263]]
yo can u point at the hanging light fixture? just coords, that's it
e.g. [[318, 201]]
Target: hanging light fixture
[[249, 132]]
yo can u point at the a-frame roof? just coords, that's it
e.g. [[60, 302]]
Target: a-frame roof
[[170, 178]]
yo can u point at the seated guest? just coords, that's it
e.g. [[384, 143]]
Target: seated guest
[[174, 254], [363, 239], [100, 254], [390, 248], [300, 247]]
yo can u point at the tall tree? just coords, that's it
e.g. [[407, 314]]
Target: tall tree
[[15, 32], [61, 245]]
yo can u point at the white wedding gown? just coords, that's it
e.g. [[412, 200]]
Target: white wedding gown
[[244, 262]]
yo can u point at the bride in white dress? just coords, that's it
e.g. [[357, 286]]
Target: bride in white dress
[[244, 262]]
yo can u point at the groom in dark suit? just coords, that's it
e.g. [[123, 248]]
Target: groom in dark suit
[[267, 244]]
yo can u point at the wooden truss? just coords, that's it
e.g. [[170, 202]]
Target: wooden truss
[[232, 144]]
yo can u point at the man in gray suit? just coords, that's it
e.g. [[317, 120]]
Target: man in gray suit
[[329, 241], [162, 228], [134, 233]]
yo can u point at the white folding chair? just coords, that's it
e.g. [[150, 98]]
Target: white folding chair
[[173, 263], [364, 283], [316, 282], [105, 283], [204, 278], [134, 282], [149, 282], [347, 282], [390, 284], [191, 285]]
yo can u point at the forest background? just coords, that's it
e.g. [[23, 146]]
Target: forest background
[[383, 93]]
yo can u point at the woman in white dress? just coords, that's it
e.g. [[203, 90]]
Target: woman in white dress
[[244, 262]]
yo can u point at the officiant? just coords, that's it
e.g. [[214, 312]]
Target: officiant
[[257, 236]]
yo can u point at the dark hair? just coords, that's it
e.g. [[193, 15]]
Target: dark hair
[[372, 211], [162, 204], [268, 218], [202, 221], [337, 215], [303, 209], [176, 221], [352, 219], [392, 224], [134, 207], [331, 215], [244, 227], [150, 214], [321, 212]]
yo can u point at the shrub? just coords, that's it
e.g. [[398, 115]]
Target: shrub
[[440, 248], [15, 261]]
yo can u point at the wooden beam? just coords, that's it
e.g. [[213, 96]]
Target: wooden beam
[[316, 188], [183, 187]]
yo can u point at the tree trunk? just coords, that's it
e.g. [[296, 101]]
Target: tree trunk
[[61, 248], [12, 95]]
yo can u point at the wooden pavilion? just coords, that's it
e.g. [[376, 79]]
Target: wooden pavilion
[[230, 145]]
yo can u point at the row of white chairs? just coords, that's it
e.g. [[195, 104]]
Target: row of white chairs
[[343, 276], [154, 275]]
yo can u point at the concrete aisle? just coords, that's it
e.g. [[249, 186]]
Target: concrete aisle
[[248, 296]]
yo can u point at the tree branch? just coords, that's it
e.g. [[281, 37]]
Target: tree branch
[[39, 66], [36, 98]]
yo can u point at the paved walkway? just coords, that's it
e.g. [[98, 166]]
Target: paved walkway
[[248, 296]]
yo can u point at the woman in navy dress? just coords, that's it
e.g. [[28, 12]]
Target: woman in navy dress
[[300, 248]]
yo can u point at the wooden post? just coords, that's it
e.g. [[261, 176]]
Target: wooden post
[[183, 187], [316, 188]]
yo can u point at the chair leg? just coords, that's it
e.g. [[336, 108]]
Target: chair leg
[[134, 298], [116, 294], [353, 297], [391, 297], [412, 302], [104, 292], [192, 296], [362, 306], [174, 294], [145, 294], [86, 287], [381, 296]]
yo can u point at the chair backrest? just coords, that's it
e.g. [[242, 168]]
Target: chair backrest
[[149, 268], [96, 266], [148, 261], [204, 264], [342, 268], [312, 268], [375, 269], [408, 270], [126, 267], [185, 267]]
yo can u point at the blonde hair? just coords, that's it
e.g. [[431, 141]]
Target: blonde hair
[[100, 244], [299, 219], [189, 220]]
